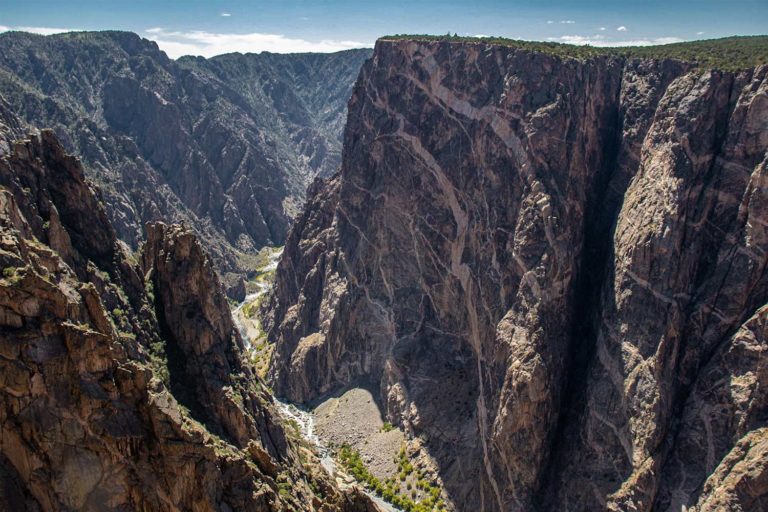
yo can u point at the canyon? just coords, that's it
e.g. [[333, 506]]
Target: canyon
[[125, 385], [528, 277], [226, 145], [551, 271]]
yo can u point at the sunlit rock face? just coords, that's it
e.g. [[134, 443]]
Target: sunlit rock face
[[553, 270], [123, 382]]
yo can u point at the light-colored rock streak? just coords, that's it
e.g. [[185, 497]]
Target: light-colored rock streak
[[498, 120], [464, 276]]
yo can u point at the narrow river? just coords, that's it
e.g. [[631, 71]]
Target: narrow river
[[306, 422], [289, 411]]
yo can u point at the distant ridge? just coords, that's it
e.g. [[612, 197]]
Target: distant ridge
[[727, 53], [226, 145]]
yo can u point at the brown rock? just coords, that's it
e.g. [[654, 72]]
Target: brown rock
[[87, 339]]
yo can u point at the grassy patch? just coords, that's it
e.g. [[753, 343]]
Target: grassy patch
[[251, 309], [262, 355], [12, 275], [159, 362], [261, 273]]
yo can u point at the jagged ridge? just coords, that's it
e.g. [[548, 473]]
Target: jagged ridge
[[100, 354]]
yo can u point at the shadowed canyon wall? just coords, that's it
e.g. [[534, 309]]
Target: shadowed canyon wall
[[554, 271]]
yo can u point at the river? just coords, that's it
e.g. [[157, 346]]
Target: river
[[250, 329], [306, 422]]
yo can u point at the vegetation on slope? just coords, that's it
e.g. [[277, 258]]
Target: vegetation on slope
[[424, 496], [727, 54]]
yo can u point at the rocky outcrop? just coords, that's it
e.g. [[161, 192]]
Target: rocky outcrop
[[205, 352], [553, 269], [123, 385], [225, 145]]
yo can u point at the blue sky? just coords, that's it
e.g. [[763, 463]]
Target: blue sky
[[213, 27]]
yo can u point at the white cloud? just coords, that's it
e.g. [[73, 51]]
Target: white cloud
[[602, 28], [208, 44], [622, 29], [549, 22], [481, 35], [602, 41], [43, 31], [567, 22], [226, 14], [700, 33]]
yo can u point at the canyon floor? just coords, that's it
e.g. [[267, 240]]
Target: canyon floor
[[348, 422], [354, 418]]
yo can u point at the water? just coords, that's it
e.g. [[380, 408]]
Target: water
[[273, 260], [303, 418], [306, 422], [262, 289]]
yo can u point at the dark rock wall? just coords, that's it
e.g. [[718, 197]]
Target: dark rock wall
[[553, 269]]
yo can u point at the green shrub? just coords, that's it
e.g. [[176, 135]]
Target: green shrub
[[350, 459], [12, 275], [159, 362], [284, 489]]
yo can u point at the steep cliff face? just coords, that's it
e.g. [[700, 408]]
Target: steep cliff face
[[553, 270], [227, 145], [122, 385]]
